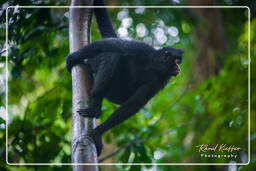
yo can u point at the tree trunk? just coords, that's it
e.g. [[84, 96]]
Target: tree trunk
[[83, 149], [211, 40]]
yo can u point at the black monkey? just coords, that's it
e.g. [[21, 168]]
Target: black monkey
[[127, 72]]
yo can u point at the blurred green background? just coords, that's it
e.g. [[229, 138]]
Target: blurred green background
[[206, 104]]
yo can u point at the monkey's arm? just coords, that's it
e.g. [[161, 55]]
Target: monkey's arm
[[126, 110], [129, 108]]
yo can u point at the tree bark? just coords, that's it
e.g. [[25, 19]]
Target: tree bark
[[211, 40], [83, 148]]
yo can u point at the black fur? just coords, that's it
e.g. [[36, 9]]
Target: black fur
[[127, 72], [101, 14]]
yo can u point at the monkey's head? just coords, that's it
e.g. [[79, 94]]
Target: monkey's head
[[168, 60]]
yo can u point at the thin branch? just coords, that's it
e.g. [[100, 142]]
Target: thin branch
[[153, 136], [139, 141], [176, 102], [3, 51]]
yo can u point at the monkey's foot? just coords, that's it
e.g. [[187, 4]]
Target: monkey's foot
[[69, 63], [89, 112], [97, 141]]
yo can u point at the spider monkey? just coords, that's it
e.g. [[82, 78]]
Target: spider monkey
[[126, 72]]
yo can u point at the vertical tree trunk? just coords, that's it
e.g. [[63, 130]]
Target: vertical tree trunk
[[83, 149], [211, 40]]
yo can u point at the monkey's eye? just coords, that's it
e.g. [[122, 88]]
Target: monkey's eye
[[166, 53], [178, 61]]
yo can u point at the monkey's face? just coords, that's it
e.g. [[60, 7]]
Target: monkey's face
[[170, 60]]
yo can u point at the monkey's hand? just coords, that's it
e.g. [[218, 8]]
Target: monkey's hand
[[72, 60], [97, 141], [69, 62]]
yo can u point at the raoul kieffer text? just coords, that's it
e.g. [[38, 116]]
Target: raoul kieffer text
[[217, 148]]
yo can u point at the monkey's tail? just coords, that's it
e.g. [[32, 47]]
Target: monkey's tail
[[103, 20]]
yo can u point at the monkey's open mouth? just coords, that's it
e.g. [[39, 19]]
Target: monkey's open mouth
[[176, 71]]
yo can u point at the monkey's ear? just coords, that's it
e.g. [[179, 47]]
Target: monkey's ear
[[181, 52], [178, 53]]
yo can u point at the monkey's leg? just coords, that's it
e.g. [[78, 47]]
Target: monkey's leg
[[126, 110], [103, 78]]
